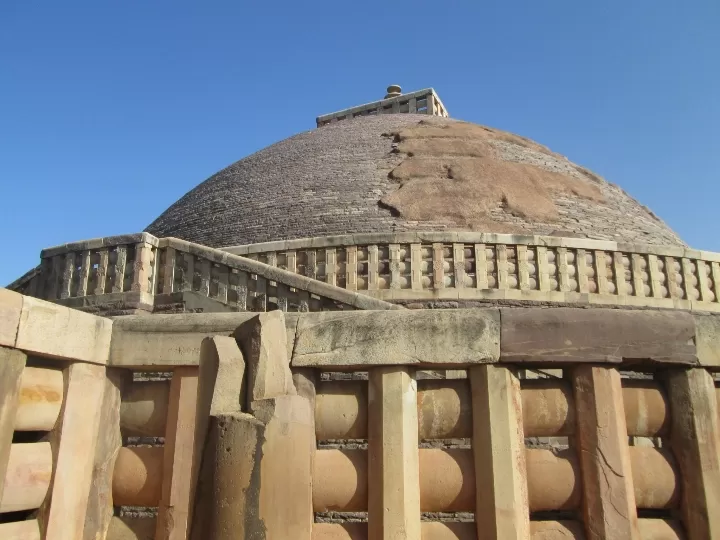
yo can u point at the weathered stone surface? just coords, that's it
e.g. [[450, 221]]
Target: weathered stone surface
[[547, 408], [341, 410], [144, 408], [28, 475], [695, 441], [707, 328], [444, 409], [355, 339], [137, 478], [51, 330], [661, 529], [340, 481], [647, 412], [286, 466], [447, 480], [78, 435], [20, 530], [227, 505], [263, 341], [656, 477], [109, 441], [434, 530], [596, 335], [167, 340], [502, 511], [553, 480], [125, 528], [12, 364], [394, 482], [222, 368], [604, 456], [40, 399], [556, 530], [10, 310], [181, 457], [339, 531]]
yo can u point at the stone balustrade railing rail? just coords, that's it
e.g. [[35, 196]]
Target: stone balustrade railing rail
[[352, 270]]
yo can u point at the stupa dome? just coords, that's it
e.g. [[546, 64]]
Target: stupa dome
[[406, 172]]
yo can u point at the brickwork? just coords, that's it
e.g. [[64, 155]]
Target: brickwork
[[329, 181]]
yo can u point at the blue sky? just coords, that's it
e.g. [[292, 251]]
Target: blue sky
[[110, 111]]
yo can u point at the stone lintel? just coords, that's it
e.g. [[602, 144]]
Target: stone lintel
[[571, 335], [422, 337]]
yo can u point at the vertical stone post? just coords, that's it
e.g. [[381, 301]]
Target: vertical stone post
[[142, 268], [12, 363], [394, 475], [174, 511], [695, 440], [502, 511], [602, 444]]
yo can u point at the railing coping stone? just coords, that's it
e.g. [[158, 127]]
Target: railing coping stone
[[98, 243]]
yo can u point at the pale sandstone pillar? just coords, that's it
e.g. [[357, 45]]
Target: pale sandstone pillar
[[499, 446], [695, 440], [63, 514], [602, 447], [394, 481], [109, 441], [286, 468], [174, 511], [227, 506], [12, 363]]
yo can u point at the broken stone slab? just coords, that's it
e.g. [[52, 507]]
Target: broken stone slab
[[263, 341], [564, 335], [422, 337]]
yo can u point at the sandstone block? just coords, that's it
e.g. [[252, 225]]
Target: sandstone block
[[341, 410], [136, 476], [339, 531], [435, 530], [40, 400], [227, 505], [124, 528], [28, 475], [422, 337], [444, 409], [447, 480], [556, 530], [502, 511], [596, 335], [263, 341], [286, 467], [10, 310], [222, 368], [340, 481], [48, 329], [708, 339], [12, 364], [109, 441], [394, 481], [20, 530], [144, 408], [602, 446]]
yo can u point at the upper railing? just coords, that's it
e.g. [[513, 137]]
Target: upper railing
[[363, 271], [451, 266]]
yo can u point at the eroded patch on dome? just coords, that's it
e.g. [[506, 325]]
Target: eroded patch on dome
[[459, 172]]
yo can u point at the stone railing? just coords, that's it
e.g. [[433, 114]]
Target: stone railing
[[418, 267], [366, 271], [138, 268]]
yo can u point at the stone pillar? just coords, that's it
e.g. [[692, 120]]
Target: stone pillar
[[695, 440], [602, 445], [499, 446], [394, 477]]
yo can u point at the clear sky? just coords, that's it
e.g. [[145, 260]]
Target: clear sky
[[110, 111]]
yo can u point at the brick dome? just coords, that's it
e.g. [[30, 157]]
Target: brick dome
[[406, 172]]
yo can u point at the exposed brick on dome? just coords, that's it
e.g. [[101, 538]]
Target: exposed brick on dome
[[406, 172]]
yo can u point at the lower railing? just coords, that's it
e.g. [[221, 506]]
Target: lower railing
[[385, 424]]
